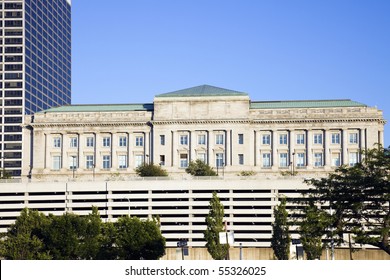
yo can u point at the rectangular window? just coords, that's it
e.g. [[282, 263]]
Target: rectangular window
[[106, 162], [353, 138], [57, 142], [106, 141], [56, 162], [267, 160], [122, 161], [162, 140], [336, 159], [283, 139], [139, 141], [90, 142], [73, 162], [202, 156], [183, 139], [300, 139], [300, 159], [162, 160], [335, 138], [317, 138], [202, 139], [240, 159], [139, 160], [353, 158], [183, 160], [219, 139], [219, 160], [73, 142], [89, 162], [318, 160], [266, 139], [122, 141], [240, 139], [283, 162]]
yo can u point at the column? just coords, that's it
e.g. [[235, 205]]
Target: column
[[192, 145], [228, 150], [113, 145], [209, 158], [255, 163], [309, 142], [327, 160], [274, 136], [344, 145], [173, 148]]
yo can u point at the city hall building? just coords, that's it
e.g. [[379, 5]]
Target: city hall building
[[222, 127]]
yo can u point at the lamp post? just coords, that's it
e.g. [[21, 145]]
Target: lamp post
[[147, 159], [293, 163], [73, 165], [93, 172], [128, 199]]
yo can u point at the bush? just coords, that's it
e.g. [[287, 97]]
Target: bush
[[200, 168], [150, 170]]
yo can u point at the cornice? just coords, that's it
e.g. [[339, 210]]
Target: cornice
[[116, 124]]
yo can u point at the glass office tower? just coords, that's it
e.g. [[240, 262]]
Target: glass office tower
[[35, 73]]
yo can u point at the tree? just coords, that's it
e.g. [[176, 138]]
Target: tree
[[215, 225], [281, 239], [91, 240], [200, 168], [150, 170], [360, 198]]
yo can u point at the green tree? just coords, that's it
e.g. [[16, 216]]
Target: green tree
[[360, 198], [200, 168], [91, 239], [108, 249], [150, 170], [281, 238], [215, 225]]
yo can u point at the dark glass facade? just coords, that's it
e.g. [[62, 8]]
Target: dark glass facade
[[35, 56]]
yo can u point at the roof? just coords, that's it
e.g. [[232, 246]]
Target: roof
[[204, 90], [305, 104], [100, 108]]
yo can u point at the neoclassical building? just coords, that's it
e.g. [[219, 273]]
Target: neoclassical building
[[219, 126]]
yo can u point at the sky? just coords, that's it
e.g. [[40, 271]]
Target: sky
[[128, 51]]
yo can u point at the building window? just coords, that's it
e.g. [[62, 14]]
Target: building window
[[318, 160], [240, 159], [57, 142], [183, 160], [283, 159], [202, 139], [183, 139], [56, 162], [266, 139], [240, 139], [90, 142], [73, 162], [283, 139], [89, 162], [73, 142], [335, 138], [122, 161], [300, 139], [336, 159], [353, 158], [122, 141], [139, 141], [300, 159], [106, 141], [139, 160], [162, 140], [219, 160], [106, 162], [162, 160], [219, 139], [202, 156], [317, 138], [353, 138], [267, 160]]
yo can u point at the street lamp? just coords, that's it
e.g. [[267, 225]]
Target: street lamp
[[93, 171], [293, 163], [73, 165], [147, 159]]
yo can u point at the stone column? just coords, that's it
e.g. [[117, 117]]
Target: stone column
[[326, 140], [274, 141], [173, 148], [344, 146]]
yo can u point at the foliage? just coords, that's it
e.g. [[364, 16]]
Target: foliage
[[215, 225], [200, 168], [360, 198], [5, 174], [281, 238], [150, 170], [247, 173], [288, 173]]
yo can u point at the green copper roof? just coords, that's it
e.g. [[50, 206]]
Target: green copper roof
[[204, 90], [100, 108], [305, 104]]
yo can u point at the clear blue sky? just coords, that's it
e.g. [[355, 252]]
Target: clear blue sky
[[127, 51]]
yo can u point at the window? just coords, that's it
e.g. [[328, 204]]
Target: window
[[335, 138], [139, 141], [300, 159], [89, 162], [122, 161], [266, 139], [202, 156], [283, 159], [106, 162], [139, 160], [240, 139], [336, 159], [183, 160], [106, 141], [267, 160], [56, 162], [73, 142], [57, 142], [300, 139], [183, 139], [353, 158], [73, 162], [202, 139], [90, 142], [353, 138], [162, 160], [122, 141], [219, 160], [240, 159], [283, 139], [162, 140], [318, 159], [317, 138], [219, 139]]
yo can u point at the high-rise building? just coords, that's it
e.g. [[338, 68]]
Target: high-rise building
[[35, 71]]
